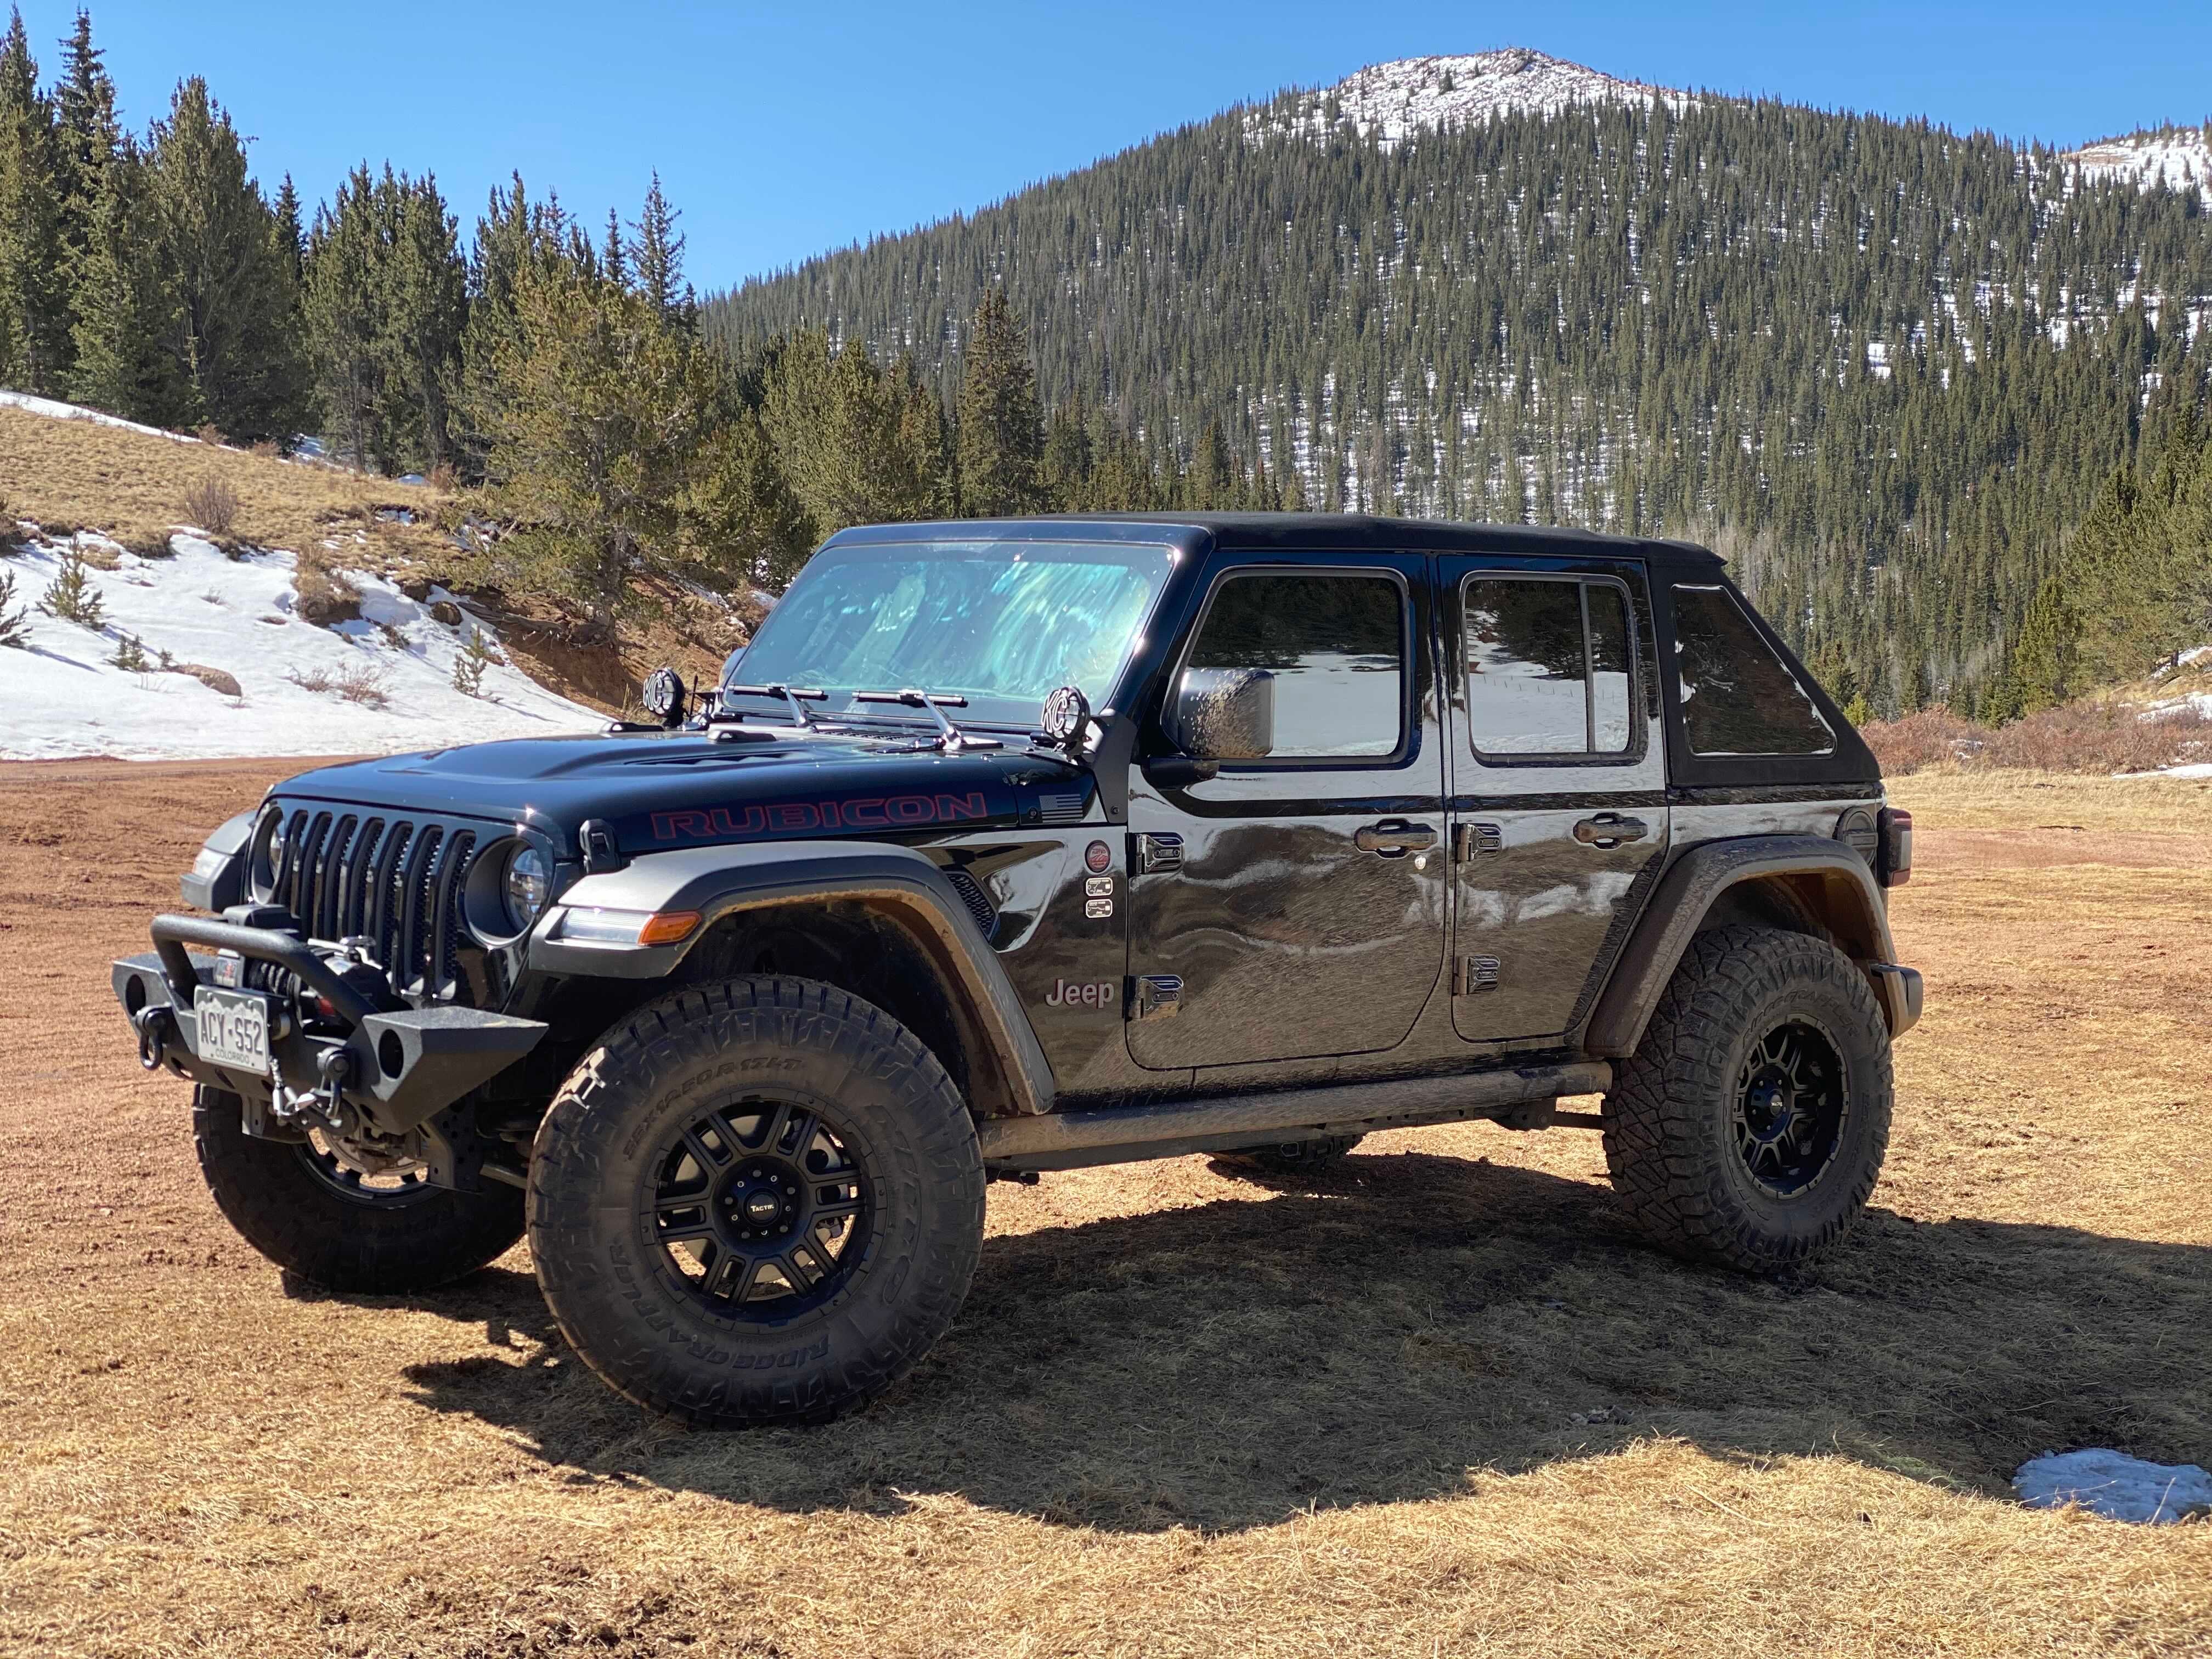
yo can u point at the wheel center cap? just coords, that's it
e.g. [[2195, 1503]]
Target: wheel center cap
[[762, 1207]]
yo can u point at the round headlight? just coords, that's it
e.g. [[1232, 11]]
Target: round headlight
[[529, 883], [268, 862]]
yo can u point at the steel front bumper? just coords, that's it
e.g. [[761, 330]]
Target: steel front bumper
[[398, 1069]]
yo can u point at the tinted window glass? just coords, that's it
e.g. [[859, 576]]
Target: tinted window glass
[[1544, 676], [1738, 697], [1335, 646]]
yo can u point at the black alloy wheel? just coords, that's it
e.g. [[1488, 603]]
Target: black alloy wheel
[[1791, 1108], [385, 1182], [761, 1208], [1749, 1126]]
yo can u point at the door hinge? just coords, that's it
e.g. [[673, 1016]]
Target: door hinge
[[1472, 975], [1154, 996], [1470, 837], [1154, 852]]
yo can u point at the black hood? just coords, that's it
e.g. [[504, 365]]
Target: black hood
[[664, 789]]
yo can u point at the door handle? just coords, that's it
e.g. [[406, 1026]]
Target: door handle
[[1610, 829], [1393, 838]]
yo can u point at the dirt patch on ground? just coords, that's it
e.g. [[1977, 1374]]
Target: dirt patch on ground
[[1441, 1403]]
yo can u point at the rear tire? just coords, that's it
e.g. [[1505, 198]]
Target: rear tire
[[756, 1201], [295, 1204], [1294, 1158], [1749, 1126]]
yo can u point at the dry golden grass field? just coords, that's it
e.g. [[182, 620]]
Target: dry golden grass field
[[136, 487], [1444, 1404]]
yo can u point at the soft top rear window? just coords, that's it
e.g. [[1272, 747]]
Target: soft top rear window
[[1739, 697]]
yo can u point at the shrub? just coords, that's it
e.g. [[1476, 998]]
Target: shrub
[[324, 597], [356, 682], [2097, 738], [73, 598], [14, 624], [131, 654], [212, 505]]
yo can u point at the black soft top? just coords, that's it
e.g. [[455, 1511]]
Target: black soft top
[[1349, 532]]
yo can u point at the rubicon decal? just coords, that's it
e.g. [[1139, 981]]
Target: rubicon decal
[[881, 813]]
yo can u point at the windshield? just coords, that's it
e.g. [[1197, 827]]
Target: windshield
[[1000, 623]]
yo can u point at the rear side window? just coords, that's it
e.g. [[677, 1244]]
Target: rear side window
[[1547, 666], [1739, 697], [1335, 646]]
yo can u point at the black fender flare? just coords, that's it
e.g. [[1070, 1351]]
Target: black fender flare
[[896, 882], [1833, 884]]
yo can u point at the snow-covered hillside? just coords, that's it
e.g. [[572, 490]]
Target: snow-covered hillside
[[2181, 156], [1389, 102], [248, 675]]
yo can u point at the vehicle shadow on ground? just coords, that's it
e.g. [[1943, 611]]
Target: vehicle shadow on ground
[[1372, 1336]]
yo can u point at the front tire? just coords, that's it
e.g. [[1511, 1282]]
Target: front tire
[[1749, 1126], [305, 1207], [756, 1201]]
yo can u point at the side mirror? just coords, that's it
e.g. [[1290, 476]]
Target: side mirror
[[1225, 714]]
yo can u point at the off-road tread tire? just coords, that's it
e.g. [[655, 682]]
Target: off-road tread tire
[[1669, 1116], [279, 1207], [1296, 1158], [663, 1349]]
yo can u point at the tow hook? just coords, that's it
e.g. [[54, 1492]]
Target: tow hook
[[157, 1030], [335, 1069]]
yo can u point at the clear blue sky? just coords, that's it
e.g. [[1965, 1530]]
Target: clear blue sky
[[784, 131]]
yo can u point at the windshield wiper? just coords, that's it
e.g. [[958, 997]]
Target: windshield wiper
[[797, 696], [950, 737]]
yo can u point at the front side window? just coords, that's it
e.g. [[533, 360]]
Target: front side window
[[1334, 646], [1548, 667], [1000, 623], [1738, 696]]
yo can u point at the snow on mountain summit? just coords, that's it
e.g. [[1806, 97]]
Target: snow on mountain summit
[[1391, 101], [2181, 157]]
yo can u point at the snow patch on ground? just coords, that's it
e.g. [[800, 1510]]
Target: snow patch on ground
[[64, 696], [60, 412], [2181, 158], [2114, 1484], [1392, 101]]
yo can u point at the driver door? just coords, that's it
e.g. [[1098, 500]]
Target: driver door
[[1292, 905]]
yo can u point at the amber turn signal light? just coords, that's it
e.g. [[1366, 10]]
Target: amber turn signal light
[[668, 927]]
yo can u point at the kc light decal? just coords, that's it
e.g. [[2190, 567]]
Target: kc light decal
[[883, 812]]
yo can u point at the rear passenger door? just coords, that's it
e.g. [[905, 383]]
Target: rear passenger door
[[1558, 819]]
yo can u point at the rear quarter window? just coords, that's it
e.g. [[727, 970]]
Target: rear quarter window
[[1738, 696]]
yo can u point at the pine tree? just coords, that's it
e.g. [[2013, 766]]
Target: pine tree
[[127, 305], [1001, 430], [34, 321], [234, 343], [291, 235], [87, 134], [384, 307], [656, 260]]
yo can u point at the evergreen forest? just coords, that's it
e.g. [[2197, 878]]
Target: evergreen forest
[[1938, 400]]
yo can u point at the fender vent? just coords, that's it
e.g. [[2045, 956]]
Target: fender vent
[[977, 901]]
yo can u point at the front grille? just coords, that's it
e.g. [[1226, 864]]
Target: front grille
[[396, 882]]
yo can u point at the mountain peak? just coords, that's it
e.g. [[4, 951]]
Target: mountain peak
[[1391, 101], [2180, 156]]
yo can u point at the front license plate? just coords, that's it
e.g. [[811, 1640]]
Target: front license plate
[[234, 1028]]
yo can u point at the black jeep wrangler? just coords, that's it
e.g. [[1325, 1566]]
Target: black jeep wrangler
[[1025, 845]]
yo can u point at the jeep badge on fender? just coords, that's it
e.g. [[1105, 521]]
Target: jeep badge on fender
[[736, 1015]]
